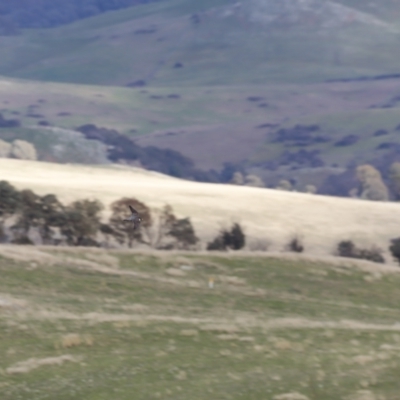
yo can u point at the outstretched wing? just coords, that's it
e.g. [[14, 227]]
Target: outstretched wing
[[133, 211]]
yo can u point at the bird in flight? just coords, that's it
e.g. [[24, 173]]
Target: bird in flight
[[134, 217]]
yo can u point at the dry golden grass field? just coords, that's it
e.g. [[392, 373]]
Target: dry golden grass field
[[267, 216]]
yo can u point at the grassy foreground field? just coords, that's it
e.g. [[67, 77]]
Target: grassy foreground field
[[268, 216], [90, 324]]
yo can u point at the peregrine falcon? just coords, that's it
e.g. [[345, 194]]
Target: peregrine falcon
[[134, 217]]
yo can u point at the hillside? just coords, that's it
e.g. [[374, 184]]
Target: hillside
[[270, 218], [354, 123], [187, 43], [229, 85], [50, 13], [91, 324]]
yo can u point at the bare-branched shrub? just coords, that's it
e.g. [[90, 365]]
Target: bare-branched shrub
[[174, 233]]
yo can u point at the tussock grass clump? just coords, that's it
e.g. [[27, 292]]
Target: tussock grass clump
[[75, 340]]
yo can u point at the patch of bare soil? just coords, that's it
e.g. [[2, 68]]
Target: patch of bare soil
[[26, 366]]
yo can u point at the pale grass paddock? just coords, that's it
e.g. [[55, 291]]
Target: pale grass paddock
[[267, 215]]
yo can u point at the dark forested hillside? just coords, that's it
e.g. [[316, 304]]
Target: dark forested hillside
[[48, 13]]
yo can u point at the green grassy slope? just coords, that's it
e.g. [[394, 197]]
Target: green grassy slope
[[94, 325], [228, 45], [229, 54], [189, 119]]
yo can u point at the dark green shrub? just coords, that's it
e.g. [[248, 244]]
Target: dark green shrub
[[395, 249], [183, 232], [234, 239], [82, 222], [22, 240], [347, 248], [296, 245], [217, 244]]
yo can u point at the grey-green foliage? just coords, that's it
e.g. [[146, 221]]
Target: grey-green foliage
[[23, 150], [53, 143], [254, 180], [71, 146], [28, 218], [182, 230], [82, 222], [76, 224], [310, 189], [237, 178], [10, 200], [43, 213], [284, 185], [20, 149], [394, 176], [371, 185], [170, 232], [5, 149]]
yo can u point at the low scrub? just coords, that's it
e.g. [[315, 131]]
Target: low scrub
[[395, 249], [295, 245], [346, 248], [233, 239]]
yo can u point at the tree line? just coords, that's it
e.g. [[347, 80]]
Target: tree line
[[28, 218]]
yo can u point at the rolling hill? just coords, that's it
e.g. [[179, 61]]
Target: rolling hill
[[354, 122], [270, 218], [187, 43], [219, 82]]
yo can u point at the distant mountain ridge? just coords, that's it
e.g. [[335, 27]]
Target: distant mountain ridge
[[192, 43], [315, 13], [50, 13], [230, 85]]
